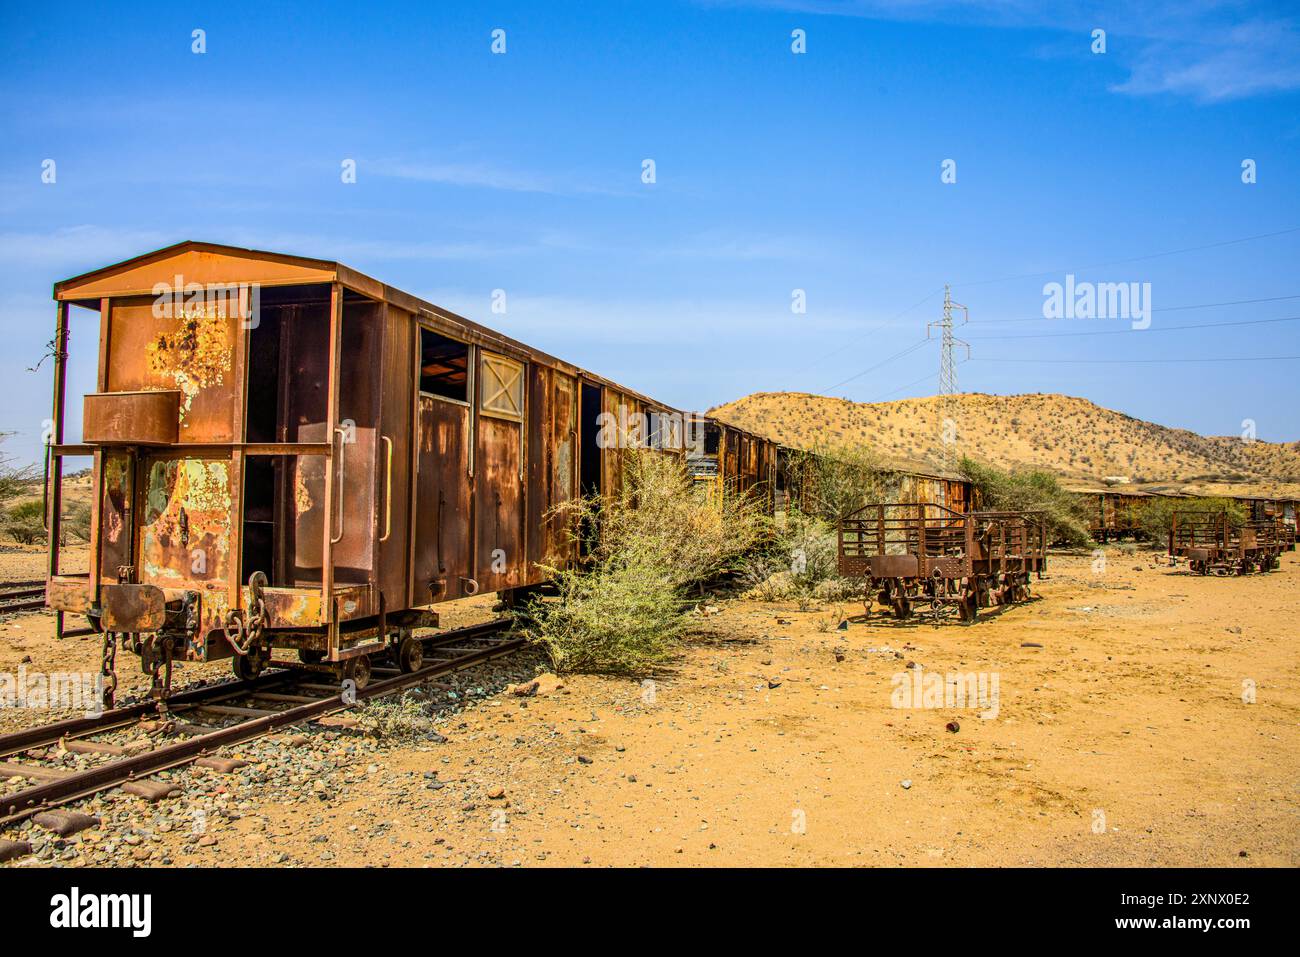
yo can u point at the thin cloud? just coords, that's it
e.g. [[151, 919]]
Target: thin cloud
[[481, 175], [1211, 51]]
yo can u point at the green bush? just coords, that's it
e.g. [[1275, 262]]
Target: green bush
[[653, 540], [404, 718], [1155, 515], [800, 562], [76, 521], [830, 482], [1031, 490], [25, 522]]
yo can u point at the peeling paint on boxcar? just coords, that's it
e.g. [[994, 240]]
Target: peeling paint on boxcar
[[193, 356], [114, 509], [185, 534]]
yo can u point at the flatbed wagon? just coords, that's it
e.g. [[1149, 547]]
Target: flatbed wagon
[[922, 552], [1211, 543]]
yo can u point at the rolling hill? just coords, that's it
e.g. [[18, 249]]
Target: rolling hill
[[1078, 440]]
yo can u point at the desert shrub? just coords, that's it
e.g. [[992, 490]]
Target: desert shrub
[[1155, 515], [1031, 490], [76, 521], [15, 480], [829, 483], [25, 522], [799, 562], [396, 719], [650, 542]]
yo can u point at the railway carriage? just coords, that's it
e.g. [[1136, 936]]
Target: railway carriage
[[1212, 543], [1112, 515], [922, 552], [289, 453], [729, 460]]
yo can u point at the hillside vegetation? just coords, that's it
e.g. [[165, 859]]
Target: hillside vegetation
[[1071, 437]]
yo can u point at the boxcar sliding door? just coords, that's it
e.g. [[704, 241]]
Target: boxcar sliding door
[[444, 470], [499, 474], [552, 467]]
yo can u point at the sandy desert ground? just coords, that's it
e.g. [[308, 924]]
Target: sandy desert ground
[[1144, 716]]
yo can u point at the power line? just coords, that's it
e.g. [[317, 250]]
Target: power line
[[1134, 259], [925, 378], [897, 355], [856, 339], [1128, 332], [983, 282]]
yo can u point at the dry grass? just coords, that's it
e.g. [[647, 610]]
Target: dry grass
[[1068, 436]]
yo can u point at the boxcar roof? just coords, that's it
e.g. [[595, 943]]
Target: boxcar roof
[[220, 264]]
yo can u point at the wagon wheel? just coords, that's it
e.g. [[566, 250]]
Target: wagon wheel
[[311, 656], [410, 654], [969, 607], [357, 670], [249, 666]]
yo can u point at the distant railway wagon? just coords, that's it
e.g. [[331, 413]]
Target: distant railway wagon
[[916, 552], [1281, 512], [1212, 543], [1113, 515], [730, 460], [954, 494], [289, 453]]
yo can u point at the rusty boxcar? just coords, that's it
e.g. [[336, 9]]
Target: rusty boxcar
[[289, 453], [727, 459], [1112, 515]]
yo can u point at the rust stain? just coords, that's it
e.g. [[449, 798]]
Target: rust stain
[[201, 490], [301, 494], [115, 479], [194, 356]]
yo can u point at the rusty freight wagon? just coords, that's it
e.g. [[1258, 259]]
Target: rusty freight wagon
[[288, 453], [733, 461], [922, 552], [1282, 512], [1212, 543], [1112, 515]]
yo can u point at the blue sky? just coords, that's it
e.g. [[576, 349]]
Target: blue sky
[[775, 171]]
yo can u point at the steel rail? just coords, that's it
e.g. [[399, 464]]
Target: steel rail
[[23, 804]]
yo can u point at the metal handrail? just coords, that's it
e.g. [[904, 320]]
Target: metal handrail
[[343, 442], [388, 490]]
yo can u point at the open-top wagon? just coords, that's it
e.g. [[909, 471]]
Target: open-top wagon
[[911, 552], [1212, 543]]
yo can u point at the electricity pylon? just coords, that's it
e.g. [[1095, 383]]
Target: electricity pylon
[[948, 376]]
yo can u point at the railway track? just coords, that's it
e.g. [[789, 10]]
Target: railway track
[[126, 745], [21, 596]]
